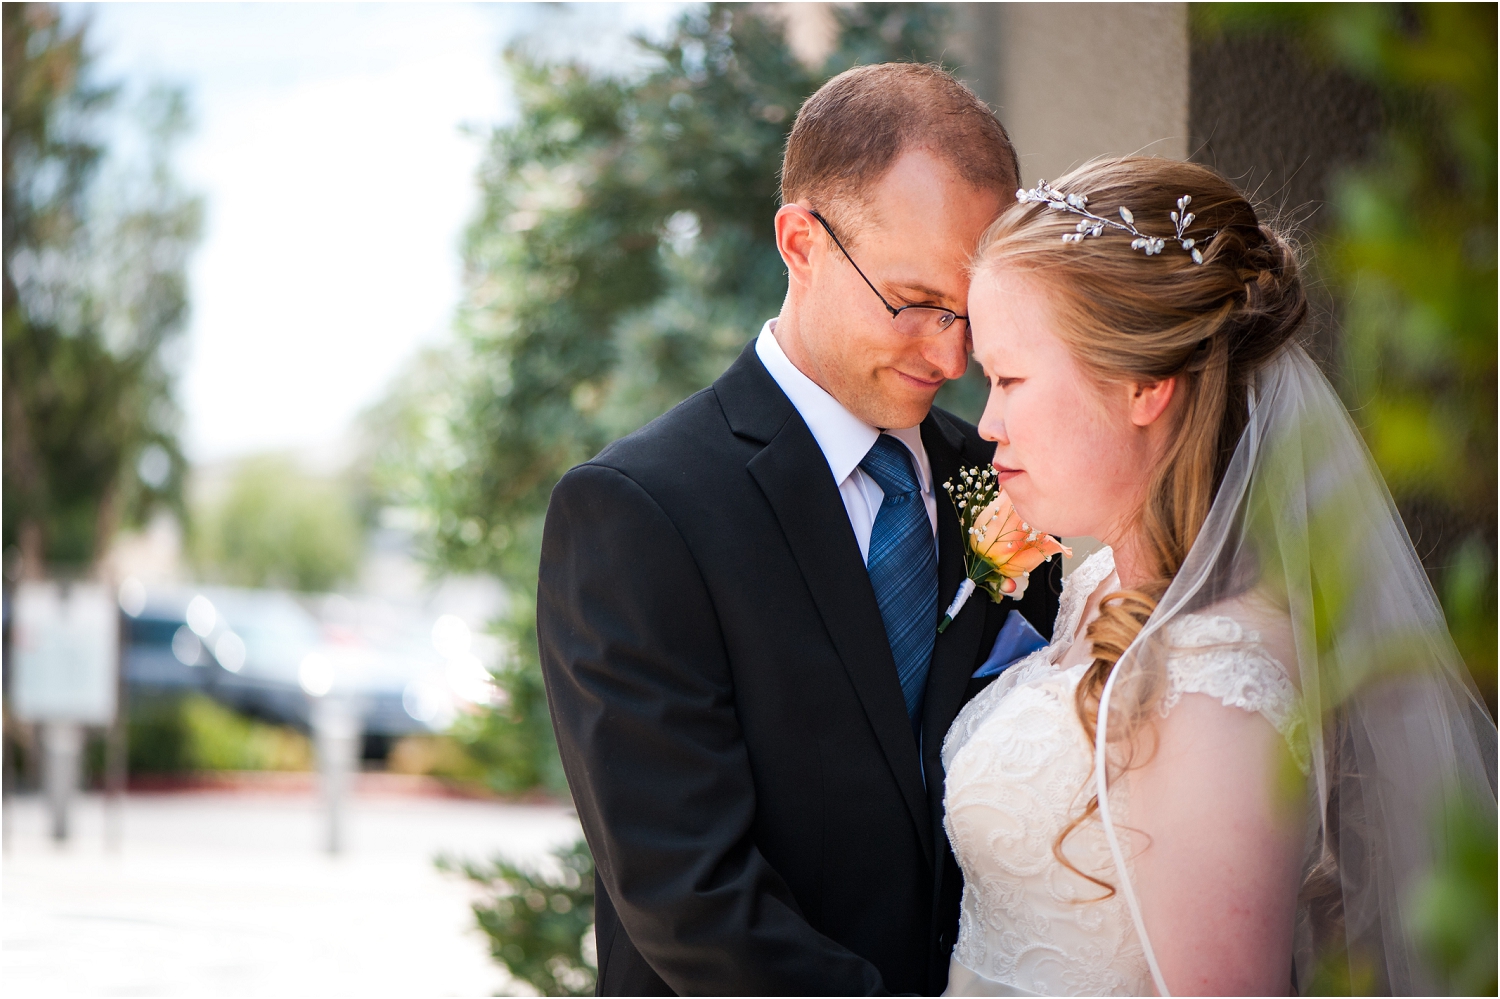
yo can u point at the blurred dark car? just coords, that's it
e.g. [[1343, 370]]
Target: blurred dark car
[[156, 658], [262, 653]]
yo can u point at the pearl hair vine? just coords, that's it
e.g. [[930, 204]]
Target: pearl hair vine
[[1092, 224]]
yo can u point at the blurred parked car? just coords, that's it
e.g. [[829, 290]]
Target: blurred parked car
[[159, 652], [264, 653], [242, 648]]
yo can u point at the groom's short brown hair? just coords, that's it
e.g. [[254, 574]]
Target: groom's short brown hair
[[849, 133]]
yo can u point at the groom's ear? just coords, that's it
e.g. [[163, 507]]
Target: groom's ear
[[796, 234], [1148, 400]]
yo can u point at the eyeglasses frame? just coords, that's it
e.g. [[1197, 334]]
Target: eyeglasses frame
[[888, 306]]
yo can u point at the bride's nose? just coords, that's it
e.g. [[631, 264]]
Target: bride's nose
[[992, 424]]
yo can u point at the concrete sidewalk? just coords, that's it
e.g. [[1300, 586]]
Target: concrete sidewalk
[[217, 894]]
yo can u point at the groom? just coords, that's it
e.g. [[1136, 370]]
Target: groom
[[738, 604]]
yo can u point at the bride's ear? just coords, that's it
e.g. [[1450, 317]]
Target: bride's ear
[[1148, 400], [795, 233]]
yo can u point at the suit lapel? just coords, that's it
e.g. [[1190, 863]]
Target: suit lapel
[[956, 651], [793, 474]]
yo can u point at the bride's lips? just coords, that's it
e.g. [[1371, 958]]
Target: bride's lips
[[1006, 474]]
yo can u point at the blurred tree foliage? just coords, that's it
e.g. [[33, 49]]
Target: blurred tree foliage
[[1411, 253], [96, 242], [540, 923], [622, 257], [1456, 908], [278, 526]]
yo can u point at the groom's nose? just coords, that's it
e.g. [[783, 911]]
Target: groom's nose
[[948, 351]]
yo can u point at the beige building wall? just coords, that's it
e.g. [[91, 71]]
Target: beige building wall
[[1079, 80], [1071, 81]]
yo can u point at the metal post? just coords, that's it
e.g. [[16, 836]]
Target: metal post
[[10, 775], [116, 755], [62, 746], [336, 736]]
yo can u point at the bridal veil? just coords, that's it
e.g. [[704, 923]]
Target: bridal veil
[[1304, 541]]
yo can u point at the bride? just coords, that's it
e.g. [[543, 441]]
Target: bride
[[1224, 775]]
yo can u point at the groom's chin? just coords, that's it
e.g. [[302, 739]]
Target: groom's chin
[[892, 414], [893, 401]]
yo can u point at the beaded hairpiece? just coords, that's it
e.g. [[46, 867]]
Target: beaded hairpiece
[[1092, 225]]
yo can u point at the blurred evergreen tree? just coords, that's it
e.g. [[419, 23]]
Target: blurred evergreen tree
[[95, 251], [622, 256]]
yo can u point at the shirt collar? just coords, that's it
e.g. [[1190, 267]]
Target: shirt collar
[[844, 438]]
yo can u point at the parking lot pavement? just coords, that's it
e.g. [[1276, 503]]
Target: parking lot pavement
[[227, 894]]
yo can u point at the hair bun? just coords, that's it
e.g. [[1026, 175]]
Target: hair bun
[[1275, 302]]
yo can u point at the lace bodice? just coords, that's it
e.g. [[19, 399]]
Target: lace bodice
[[1019, 769]]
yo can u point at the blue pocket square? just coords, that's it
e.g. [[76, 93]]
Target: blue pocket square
[[1017, 639]]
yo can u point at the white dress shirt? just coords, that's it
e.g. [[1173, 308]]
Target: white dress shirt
[[845, 439]]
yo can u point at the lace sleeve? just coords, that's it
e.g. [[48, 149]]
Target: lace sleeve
[[1217, 657]]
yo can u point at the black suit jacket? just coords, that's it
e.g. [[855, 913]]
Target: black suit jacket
[[762, 818]]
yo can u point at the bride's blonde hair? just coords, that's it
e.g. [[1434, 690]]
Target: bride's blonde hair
[[1126, 316]]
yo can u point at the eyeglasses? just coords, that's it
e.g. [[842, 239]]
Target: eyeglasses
[[909, 320]]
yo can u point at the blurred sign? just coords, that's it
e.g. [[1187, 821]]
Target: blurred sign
[[64, 653]]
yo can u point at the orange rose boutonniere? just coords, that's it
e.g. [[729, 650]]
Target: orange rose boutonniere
[[1002, 549]]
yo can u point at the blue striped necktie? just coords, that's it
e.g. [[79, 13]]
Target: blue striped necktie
[[903, 567]]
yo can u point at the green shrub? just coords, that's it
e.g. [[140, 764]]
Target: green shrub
[[540, 922], [193, 733], [439, 756]]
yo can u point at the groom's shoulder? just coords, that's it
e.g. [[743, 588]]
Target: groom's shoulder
[[707, 434], [693, 428], [691, 442]]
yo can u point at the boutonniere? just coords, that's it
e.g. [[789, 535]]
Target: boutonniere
[[1002, 549]]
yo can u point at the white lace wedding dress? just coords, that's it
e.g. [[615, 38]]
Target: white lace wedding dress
[[1019, 769]]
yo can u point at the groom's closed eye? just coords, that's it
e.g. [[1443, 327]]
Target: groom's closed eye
[[909, 301], [918, 294]]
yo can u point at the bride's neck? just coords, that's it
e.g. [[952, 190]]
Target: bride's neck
[[1131, 563]]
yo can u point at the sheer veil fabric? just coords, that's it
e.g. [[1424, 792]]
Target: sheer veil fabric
[[1303, 549]]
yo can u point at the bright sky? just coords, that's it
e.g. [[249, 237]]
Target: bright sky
[[329, 147]]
